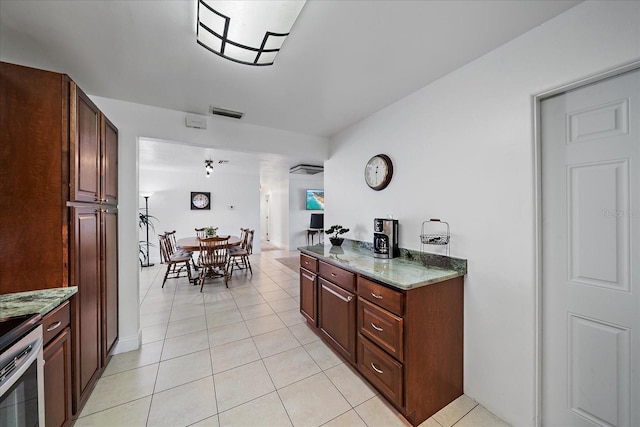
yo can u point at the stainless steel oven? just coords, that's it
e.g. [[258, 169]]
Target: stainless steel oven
[[22, 375]]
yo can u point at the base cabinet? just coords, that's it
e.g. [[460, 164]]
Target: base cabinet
[[57, 367], [309, 296], [337, 318], [407, 343]]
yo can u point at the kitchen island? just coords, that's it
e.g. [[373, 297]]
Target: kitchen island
[[398, 322]]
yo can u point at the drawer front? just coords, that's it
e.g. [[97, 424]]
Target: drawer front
[[340, 277], [383, 296], [381, 327], [55, 322], [309, 263], [381, 370]]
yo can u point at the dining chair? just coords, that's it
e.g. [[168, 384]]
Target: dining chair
[[177, 262], [200, 232], [239, 258], [214, 259]]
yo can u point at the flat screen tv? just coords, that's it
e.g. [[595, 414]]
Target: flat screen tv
[[315, 200]]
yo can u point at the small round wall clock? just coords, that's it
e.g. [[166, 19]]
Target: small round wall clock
[[200, 200], [378, 172]]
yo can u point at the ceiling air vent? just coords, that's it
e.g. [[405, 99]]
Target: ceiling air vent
[[227, 113], [306, 169]]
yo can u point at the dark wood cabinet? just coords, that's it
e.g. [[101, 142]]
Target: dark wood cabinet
[[309, 296], [85, 268], [109, 162], [34, 175], [58, 190], [85, 147], [337, 317], [109, 279], [407, 343], [57, 366]]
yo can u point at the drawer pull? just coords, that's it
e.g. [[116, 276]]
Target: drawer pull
[[54, 326], [306, 262], [377, 328], [376, 296], [334, 275], [380, 371], [307, 277], [349, 298]]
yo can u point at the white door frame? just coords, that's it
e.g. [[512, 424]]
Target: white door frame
[[537, 99]]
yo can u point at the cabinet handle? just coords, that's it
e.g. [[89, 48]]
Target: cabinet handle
[[95, 198], [380, 371], [334, 275], [307, 277], [377, 328], [306, 262], [54, 326], [349, 298], [376, 296]]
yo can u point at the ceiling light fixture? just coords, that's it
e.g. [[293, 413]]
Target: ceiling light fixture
[[248, 32], [208, 167]]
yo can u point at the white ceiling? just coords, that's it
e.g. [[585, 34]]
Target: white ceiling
[[343, 60]]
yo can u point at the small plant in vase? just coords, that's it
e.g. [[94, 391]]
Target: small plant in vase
[[211, 231], [335, 231]]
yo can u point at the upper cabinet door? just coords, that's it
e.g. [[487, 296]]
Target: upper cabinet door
[[109, 182], [85, 147]]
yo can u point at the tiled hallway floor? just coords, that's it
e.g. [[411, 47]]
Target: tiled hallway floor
[[241, 356]]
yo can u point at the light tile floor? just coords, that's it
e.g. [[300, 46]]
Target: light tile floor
[[241, 356]]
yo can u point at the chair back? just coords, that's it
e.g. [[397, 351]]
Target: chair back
[[165, 247], [249, 247], [244, 234], [200, 232], [171, 240], [214, 251]]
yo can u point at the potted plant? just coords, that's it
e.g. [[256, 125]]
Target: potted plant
[[336, 230], [145, 221], [210, 231]]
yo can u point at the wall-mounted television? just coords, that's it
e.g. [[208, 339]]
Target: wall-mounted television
[[315, 200]]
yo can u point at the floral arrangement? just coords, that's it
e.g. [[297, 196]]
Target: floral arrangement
[[211, 231]]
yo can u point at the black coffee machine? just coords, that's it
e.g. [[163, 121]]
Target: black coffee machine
[[385, 238]]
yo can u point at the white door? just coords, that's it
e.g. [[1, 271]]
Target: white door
[[591, 255]]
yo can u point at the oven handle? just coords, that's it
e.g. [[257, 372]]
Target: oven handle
[[21, 363]]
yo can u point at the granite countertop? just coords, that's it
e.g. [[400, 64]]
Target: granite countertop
[[30, 302], [410, 270]]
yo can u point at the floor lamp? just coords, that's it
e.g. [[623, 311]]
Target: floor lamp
[[146, 212]]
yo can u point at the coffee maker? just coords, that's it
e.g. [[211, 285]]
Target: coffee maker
[[385, 238]]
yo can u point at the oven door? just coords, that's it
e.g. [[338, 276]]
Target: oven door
[[22, 382]]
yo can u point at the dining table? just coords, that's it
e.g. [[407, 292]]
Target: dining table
[[192, 243]]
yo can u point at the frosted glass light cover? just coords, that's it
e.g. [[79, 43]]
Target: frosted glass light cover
[[246, 23]]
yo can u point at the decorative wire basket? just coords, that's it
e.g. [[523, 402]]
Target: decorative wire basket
[[431, 238]]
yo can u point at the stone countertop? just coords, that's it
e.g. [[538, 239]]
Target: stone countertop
[[409, 271], [30, 302]]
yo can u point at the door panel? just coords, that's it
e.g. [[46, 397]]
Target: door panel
[[337, 317], [109, 147], [85, 268], [109, 271], [85, 147], [590, 146]]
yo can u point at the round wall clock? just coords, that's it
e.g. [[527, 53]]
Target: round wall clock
[[378, 172], [200, 200]]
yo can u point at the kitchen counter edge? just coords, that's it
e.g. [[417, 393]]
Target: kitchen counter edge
[[41, 301], [400, 273]]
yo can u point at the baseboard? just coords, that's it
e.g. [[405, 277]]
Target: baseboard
[[126, 344]]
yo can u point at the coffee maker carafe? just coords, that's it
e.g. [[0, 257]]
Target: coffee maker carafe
[[385, 238]]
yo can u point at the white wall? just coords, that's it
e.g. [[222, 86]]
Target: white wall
[[171, 204], [299, 216], [463, 151], [135, 121]]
